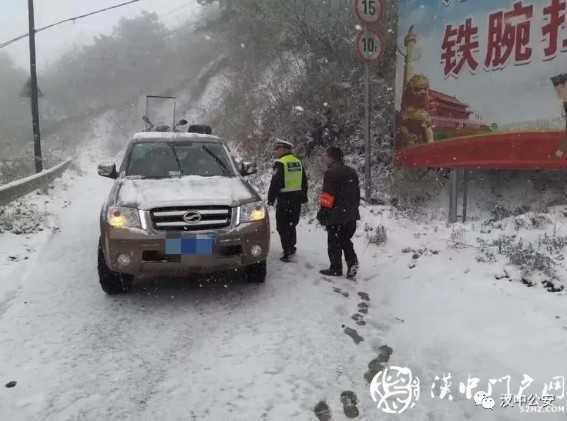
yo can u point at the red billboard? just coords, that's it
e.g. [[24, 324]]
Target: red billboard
[[480, 84]]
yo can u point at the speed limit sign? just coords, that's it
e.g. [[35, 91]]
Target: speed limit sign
[[369, 46], [369, 11]]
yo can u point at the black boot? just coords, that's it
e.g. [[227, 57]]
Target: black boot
[[352, 271], [331, 272]]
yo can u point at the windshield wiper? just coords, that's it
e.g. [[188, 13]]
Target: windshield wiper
[[177, 160], [216, 158]]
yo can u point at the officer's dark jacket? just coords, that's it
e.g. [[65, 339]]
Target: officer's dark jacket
[[341, 185], [278, 183]]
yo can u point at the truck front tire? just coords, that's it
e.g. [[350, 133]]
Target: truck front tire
[[111, 282]]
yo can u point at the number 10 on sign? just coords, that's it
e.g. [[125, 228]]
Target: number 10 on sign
[[369, 46]]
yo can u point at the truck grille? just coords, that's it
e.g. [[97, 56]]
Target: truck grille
[[197, 218]]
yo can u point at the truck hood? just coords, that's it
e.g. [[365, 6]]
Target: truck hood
[[184, 191]]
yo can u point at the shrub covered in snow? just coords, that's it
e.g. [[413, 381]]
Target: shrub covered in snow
[[528, 257], [537, 261], [375, 235], [21, 218]]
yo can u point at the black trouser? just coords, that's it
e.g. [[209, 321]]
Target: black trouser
[[287, 217], [339, 241]]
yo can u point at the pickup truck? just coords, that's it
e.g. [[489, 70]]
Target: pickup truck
[[179, 205]]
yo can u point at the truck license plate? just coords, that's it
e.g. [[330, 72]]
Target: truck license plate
[[195, 245]]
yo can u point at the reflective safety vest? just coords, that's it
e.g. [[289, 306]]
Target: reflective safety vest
[[293, 173]]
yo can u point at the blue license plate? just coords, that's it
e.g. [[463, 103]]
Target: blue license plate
[[197, 245]]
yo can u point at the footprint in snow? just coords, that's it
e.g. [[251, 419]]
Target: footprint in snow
[[349, 401], [363, 308], [353, 335], [339, 371], [377, 364], [340, 291], [364, 296], [359, 319], [322, 411], [357, 316]]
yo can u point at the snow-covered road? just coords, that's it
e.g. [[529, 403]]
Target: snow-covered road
[[233, 351]]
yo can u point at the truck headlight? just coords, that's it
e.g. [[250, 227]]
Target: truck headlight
[[252, 212], [120, 217]]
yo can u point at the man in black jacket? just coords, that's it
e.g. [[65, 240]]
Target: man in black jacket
[[289, 189], [339, 201]]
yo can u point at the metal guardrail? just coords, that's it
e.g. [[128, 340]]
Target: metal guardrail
[[23, 186]]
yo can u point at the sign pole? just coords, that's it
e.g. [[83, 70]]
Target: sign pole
[[34, 92], [368, 170], [369, 47]]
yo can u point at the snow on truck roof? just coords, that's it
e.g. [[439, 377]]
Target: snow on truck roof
[[176, 136]]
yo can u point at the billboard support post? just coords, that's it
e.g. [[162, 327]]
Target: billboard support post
[[560, 84], [465, 193], [458, 174], [453, 192]]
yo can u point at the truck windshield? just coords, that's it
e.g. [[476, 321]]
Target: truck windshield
[[163, 160]]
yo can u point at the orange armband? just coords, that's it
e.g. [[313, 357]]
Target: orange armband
[[327, 200]]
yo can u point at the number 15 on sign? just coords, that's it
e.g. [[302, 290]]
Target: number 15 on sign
[[369, 11]]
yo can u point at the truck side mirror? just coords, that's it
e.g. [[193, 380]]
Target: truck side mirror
[[248, 168], [108, 170]]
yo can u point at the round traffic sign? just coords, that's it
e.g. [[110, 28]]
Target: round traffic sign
[[369, 46], [369, 11]]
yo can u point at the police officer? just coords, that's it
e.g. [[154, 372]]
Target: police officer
[[289, 189], [339, 212]]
